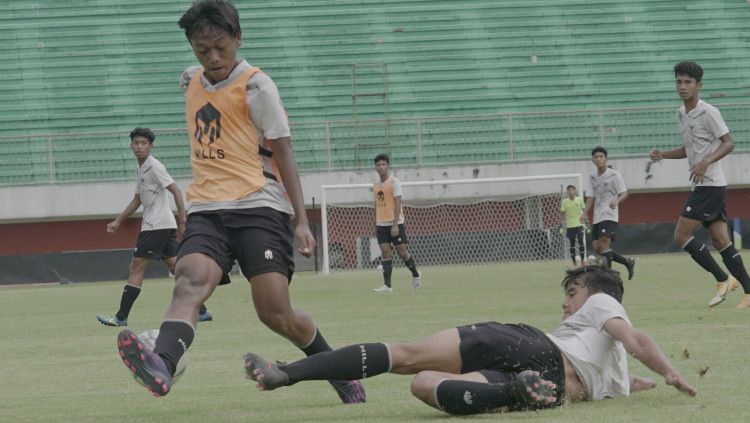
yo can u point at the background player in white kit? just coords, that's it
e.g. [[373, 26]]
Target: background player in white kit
[[606, 190]]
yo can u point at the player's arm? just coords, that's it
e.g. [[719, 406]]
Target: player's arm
[[282, 152], [130, 209], [180, 203], [620, 198], [657, 155], [586, 209], [642, 347], [396, 214], [726, 147]]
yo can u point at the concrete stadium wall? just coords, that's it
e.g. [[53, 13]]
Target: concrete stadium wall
[[58, 229]]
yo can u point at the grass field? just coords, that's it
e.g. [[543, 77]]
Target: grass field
[[57, 363]]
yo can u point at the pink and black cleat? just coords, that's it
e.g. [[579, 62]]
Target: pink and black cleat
[[148, 368], [350, 391]]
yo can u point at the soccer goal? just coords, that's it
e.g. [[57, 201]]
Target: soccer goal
[[450, 222]]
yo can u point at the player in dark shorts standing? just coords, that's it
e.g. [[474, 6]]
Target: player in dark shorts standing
[[244, 192], [706, 141], [389, 224], [158, 237], [606, 190], [489, 366], [571, 210]]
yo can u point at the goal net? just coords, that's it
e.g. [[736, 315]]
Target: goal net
[[450, 222]]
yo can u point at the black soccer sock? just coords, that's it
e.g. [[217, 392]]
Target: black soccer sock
[[387, 271], [619, 259], [462, 397], [608, 257], [353, 362], [129, 294], [317, 345], [733, 261], [702, 256], [175, 337], [411, 266], [203, 309], [573, 253]]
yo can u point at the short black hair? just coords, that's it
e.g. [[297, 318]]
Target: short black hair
[[207, 14], [382, 157], [597, 278], [690, 69], [143, 132], [599, 149], [570, 186]]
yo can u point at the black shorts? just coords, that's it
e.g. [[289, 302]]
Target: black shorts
[[157, 244], [384, 235], [500, 351], [260, 239], [605, 228], [707, 205], [572, 233]]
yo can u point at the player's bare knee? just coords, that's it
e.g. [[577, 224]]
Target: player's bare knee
[[423, 385], [281, 323], [406, 359]]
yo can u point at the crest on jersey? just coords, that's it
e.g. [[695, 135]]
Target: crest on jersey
[[207, 124]]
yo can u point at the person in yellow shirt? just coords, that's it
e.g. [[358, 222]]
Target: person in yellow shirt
[[245, 202], [389, 223], [571, 209]]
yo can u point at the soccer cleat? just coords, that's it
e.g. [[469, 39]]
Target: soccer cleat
[[111, 320], [744, 302], [722, 289], [350, 391], [631, 268], [534, 390], [383, 289], [148, 368], [416, 281], [205, 317], [268, 375]]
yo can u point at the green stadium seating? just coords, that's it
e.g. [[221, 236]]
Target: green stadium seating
[[82, 67]]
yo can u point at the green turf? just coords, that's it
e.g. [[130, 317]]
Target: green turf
[[57, 363]]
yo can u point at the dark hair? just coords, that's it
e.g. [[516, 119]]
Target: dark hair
[[570, 186], [382, 157], [597, 278], [599, 149], [690, 69], [143, 132], [207, 14]]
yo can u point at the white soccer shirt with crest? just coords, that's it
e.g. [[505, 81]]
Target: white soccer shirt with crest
[[151, 185], [605, 189], [599, 359], [701, 129]]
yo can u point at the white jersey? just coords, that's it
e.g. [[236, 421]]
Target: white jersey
[[151, 185], [701, 129], [599, 360], [604, 189], [267, 113]]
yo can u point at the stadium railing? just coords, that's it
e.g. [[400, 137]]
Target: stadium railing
[[349, 145]]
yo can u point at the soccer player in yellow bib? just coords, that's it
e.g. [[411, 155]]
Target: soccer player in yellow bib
[[571, 209], [245, 202], [389, 223]]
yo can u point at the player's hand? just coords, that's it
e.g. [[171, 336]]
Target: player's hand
[[698, 171], [655, 155], [112, 226], [305, 239], [679, 382], [613, 205], [394, 230], [562, 230]]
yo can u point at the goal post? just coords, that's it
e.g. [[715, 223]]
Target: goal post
[[462, 221]]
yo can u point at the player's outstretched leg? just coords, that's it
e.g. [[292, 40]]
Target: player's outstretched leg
[[630, 265], [268, 375], [148, 368]]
